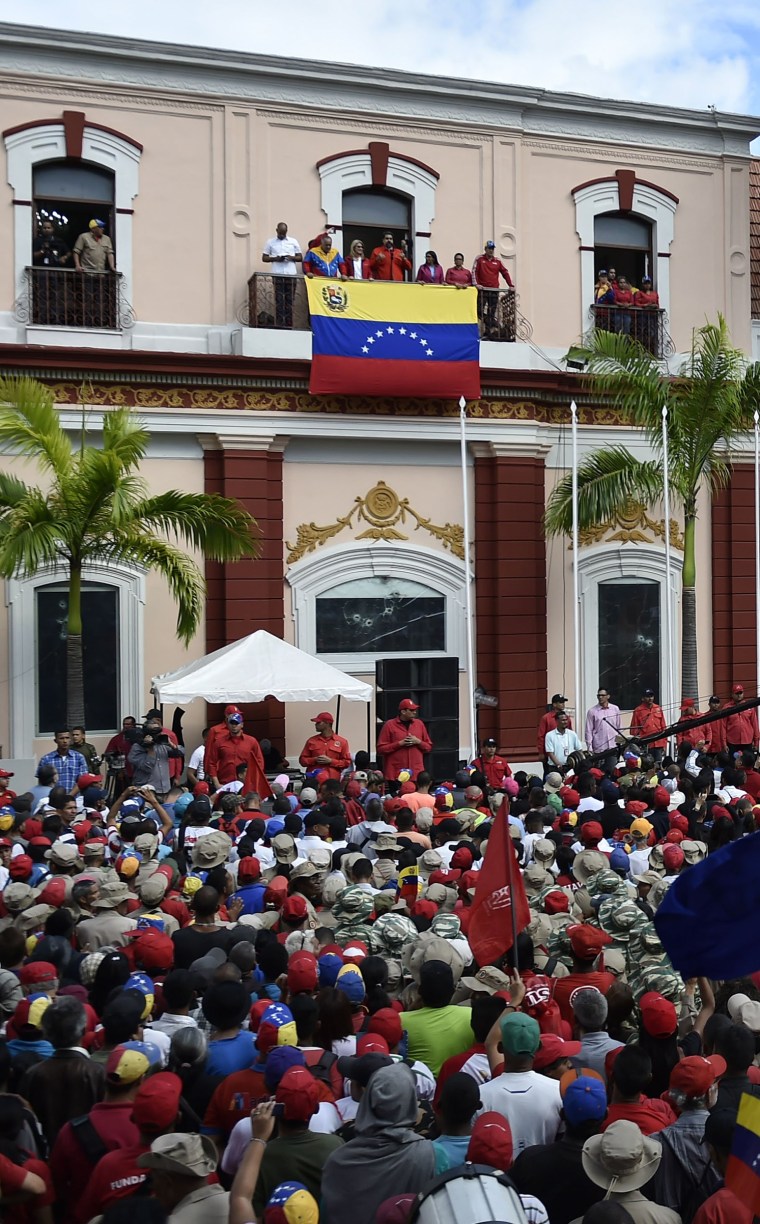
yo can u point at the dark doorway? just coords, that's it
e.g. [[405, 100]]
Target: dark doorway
[[368, 214], [624, 243], [101, 649]]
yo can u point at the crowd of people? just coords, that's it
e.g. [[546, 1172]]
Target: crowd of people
[[223, 1002], [620, 306]]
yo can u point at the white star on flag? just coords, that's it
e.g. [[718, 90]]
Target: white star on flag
[[412, 335], [402, 331], [365, 349], [379, 333], [389, 331], [429, 352]]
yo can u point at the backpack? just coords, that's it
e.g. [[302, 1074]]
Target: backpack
[[88, 1139], [322, 1069]]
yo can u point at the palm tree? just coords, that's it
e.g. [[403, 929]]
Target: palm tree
[[95, 507], [710, 404]]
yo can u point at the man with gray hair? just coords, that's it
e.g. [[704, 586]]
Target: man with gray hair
[[68, 1084], [590, 1027]]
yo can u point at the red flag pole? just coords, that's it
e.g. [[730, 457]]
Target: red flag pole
[[504, 812]]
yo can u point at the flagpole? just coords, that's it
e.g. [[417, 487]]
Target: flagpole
[[757, 547], [576, 598], [668, 608], [471, 682]]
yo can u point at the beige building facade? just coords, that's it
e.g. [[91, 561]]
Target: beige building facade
[[191, 156]]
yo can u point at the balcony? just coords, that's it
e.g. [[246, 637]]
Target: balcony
[[65, 298], [280, 302], [646, 324]]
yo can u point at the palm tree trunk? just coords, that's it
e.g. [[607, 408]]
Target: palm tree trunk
[[74, 665], [689, 668]]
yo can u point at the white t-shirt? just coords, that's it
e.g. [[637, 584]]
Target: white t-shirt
[[590, 804], [196, 761], [277, 247], [531, 1104]]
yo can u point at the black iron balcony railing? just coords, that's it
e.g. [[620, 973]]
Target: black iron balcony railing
[[63, 297], [647, 324], [281, 302]]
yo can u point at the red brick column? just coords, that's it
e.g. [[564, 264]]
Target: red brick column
[[510, 604], [247, 595], [733, 583]]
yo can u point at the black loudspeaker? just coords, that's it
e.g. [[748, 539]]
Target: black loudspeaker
[[434, 685]]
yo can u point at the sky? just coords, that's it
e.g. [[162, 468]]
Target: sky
[[694, 53]]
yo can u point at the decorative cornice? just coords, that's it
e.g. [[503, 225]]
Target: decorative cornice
[[608, 153]]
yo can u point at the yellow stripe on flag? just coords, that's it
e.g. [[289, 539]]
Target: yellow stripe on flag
[[379, 301], [749, 1113]]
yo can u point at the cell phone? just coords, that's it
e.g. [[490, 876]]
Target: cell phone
[[278, 1110]]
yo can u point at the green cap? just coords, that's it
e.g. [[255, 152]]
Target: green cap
[[520, 1034]]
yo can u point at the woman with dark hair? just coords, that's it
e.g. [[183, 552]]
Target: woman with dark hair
[[20, 1170], [431, 272], [112, 972], [335, 1022]]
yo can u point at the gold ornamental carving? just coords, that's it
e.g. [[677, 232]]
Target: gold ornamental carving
[[383, 511], [630, 526]]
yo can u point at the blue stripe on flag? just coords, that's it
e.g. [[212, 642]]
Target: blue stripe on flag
[[746, 1147], [423, 342]]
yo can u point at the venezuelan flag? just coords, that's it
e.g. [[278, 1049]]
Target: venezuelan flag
[[408, 885], [373, 338], [743, 1168]]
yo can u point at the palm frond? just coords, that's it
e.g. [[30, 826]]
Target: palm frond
[[216, 526], [181, 574], [621, 369], [30, 536], [29, 423], [12, 492], [126, 437], [607, 480]]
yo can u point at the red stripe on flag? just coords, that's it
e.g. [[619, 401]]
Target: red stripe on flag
[[744, 1183], [499, 887], [416, 379]]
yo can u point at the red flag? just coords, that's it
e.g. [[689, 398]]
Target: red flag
[[499, 888], [255, 778]]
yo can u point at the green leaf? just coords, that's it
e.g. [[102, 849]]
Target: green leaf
[[607, 480]]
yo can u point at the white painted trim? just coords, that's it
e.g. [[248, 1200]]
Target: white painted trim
[[652, 205], [20, 598], [317, 573], [355, 170], [27, 148], [605, 564]]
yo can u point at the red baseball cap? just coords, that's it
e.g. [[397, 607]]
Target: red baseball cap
[[597, 773], [673, 857], [591, 831], [249, 868], [298, 1094], [569, 796], [354, 952], [553, 1048], [156, 1104], [6, 773], [256, 1012], [586, 941], [737, 688], [387, 1022], [695, 1075], [38, 973], [54, 893], [371, 1043], [154, 950], [325, 716], [408, 704], [294, 909], [556, 903], [491, 1141], [303, 973], [20, 867], [89, 779], [462, 859], [673, 837], [660, 798], [658, 1015], [444, 877]]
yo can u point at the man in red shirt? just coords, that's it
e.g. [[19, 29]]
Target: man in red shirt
[[624, 296], [485, 274], [741, 727], [587, 944], [494, 768], [389, 262], [649, 303], [715, 732], [646, 719], [692, 736], [403, 741], [631, 1077], [231, 748], [549, 723], [326, 749]]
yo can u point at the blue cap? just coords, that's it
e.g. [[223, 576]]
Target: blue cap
[[619, 859], [585, 1100], [490, 243], [330, 966], [275, 826], [279, 1060]]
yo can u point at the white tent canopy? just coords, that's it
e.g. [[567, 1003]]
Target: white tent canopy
[[256, 667]]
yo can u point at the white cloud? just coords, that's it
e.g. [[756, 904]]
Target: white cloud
[[676, 52]]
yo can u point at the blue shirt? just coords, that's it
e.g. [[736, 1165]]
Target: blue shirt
[[252, 896], [231, 1054], [68, 768]]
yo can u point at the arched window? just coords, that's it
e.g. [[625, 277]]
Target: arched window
[[69, 193], [624, 242], [356, 604], [368, 214], [100, 647]]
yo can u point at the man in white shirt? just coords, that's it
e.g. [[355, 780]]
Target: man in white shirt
[[560, 742], [195, 764], [530, 1102], [283, 254]]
